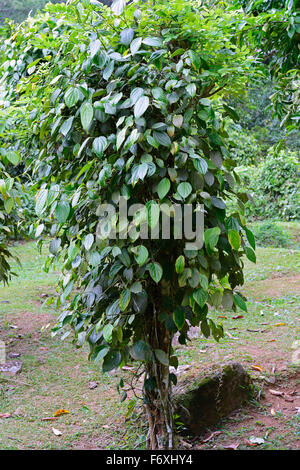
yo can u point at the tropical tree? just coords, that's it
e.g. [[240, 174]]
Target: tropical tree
[[126, 107], [272, 29]]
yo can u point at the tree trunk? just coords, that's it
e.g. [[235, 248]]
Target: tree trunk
[[158, 399]]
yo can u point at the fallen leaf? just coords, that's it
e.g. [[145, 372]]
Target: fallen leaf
[[276, 393], [222, 316], [297, 410], [237, 317], [248, 443], [56, 432], [231, 446], [279, 324], [211, 436], [256, 367], [230, 336], [5, 415], [256, 440], [51, 418], [106, 426], [273, 412], [61, 412]]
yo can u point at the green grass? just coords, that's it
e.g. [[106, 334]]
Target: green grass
[[58, 374]]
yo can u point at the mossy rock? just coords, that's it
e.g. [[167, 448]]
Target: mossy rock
[[202, 405]]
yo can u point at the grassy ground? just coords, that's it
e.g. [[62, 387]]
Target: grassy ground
[[56, 375]]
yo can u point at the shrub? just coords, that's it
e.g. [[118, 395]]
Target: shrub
[[243, 146], [269, 233], [124, 108], [275, 187]]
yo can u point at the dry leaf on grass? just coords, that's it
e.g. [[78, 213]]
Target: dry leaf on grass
[[257, 367], [277, 393], [231, 446], [56, 432], [212, 435], [5, 415], [230, 336], [61, 412], [256, 440]]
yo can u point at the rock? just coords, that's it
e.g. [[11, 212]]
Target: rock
[[11, 367], [201, 405], [93, 385]]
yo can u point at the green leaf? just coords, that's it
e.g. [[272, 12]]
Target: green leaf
[[62, 211], [126, 36], [100, 353], [163, 188], [121, 137], [179, 265], [95, 47], [200, 165], [184, 190], [234, 239], [153, 213], [9, 204], [135, 45], [162, 138], [250, 254], [88, 241], [250, 237], [107, 332], [111, 361], [41, 202], [155, 271], [108, 70], [141, 106], [195, 59], [99, 145], [54, 245], [205, 328], [72, 95], [200, 296], [125, 299], [136, 287], [191, 89], [140, 351], [86, 115], [13, 157], [211, 237], [179, 317], [118, 7], [162, 357], [239, 301], [66, 126], [155, 42], [141, 255], [177, 120]]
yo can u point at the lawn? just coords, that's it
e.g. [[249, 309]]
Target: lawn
[[56, 375]]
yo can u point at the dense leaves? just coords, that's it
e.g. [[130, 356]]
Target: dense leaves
[[130, 111]]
